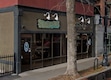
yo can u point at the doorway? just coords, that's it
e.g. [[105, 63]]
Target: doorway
[[84, 45], [26, 52]]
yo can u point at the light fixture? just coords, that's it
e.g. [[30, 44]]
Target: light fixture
[[81, 19], [55, 15], [88, 20], [47, 15]]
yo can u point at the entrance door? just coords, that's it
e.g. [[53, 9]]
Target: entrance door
[[26, 52], [84, 46]]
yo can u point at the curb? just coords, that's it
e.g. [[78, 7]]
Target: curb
[[94, 74]]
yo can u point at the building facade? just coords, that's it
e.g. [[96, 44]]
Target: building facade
[[35, 32], [100, 7]]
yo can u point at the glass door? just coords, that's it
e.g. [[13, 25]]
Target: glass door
[[47, 49], [25, 52], [84, 46]]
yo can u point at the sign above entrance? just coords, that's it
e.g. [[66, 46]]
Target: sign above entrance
[[48, 24]]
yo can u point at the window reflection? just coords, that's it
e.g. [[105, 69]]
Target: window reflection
[[47, 45], [84, 46], [47, 49], [56, 45]]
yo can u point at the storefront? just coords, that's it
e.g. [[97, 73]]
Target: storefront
[[84, 45], [85, 36], [47, 46], [35, 46], [42, 46]]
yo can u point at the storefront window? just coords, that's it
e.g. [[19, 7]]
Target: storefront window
[[56, 45], [84, 46], [46, 49], [47, 46]]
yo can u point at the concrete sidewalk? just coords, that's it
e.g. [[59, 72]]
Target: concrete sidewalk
[[39, 74], [48, 72], [43, 73]]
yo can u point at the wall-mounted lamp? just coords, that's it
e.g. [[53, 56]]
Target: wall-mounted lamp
[[81, 19], [55, 15], [47, 15], [84, 21], [88, 21]]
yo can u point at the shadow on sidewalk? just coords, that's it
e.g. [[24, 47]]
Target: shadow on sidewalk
[[10, 77]]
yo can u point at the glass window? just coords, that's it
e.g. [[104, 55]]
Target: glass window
[[47, 45], [56, 45], [109, 44], [46, 49], [37, 54], [84, 46]]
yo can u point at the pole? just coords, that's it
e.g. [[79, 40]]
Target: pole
[[105, 55]]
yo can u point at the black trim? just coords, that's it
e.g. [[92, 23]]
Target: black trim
[[44, 31], [17, 24]]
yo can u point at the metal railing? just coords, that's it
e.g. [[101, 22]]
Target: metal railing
[[6, 64], [96, 65]]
